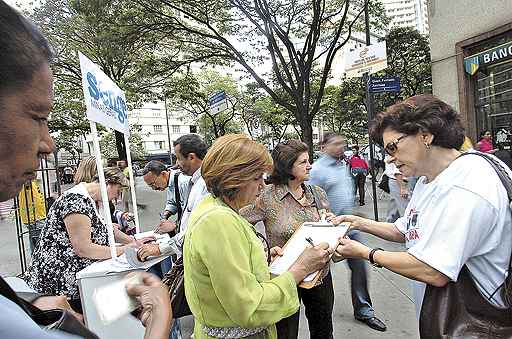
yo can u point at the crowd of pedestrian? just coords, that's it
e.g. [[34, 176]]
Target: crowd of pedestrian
[[457, 258]]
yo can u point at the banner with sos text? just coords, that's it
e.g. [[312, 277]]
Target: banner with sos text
[[105, 101]]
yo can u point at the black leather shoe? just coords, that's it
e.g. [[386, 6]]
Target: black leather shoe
[[374, 323]]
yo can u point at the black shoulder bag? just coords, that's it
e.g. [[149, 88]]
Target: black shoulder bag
[[177, 196], [56, 319], [458, 310]]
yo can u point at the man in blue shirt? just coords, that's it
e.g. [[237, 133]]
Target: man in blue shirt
[[332, 172]]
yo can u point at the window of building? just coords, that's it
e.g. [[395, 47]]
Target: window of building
[[159, 144], [193, 129], [176, 129], [492, 90], [315, 136], [157, 128], [156, 114]]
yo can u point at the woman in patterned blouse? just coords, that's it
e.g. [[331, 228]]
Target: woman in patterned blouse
[[74, 237], [283, 206]]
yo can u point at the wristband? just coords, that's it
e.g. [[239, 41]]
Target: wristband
[[370, 257]]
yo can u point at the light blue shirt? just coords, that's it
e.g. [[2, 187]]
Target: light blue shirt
[[183, 186], [335, 178], [14, 323]]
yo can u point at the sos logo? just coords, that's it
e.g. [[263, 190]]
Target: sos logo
[[108, 98]]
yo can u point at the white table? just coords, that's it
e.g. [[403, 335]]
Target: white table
[[100, 274]]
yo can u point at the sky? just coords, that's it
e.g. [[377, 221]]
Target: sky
[[21, 4]]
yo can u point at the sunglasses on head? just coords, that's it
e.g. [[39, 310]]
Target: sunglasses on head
[[392, 147]]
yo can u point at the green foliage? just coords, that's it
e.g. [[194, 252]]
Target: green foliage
[[190, 92], [108, 144], [97, 29], [409, 58], [299, 38], [343, 108]]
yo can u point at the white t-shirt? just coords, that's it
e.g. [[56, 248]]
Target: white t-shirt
[[461, 217]]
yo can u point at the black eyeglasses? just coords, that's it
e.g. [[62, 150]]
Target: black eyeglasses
[[392, 147]]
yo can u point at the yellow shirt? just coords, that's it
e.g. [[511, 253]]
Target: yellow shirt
[[32, 199], [227, 281]]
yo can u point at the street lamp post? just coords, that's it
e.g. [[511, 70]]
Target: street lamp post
[[369, 105]]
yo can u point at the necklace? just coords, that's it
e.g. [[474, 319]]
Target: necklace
[[302, 195]]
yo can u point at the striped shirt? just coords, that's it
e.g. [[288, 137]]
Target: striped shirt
[[335, 178]]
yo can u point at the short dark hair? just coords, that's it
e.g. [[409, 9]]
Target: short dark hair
[[154, 166], [191, 143], [421, 113], [284, 156], [23, 50]]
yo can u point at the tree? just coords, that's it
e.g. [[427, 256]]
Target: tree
[[294, 36], [409, 58], [343, 109], [134, 62], [108, 145], [190, 93]]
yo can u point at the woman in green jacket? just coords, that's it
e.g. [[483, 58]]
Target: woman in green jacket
[[227, 281]]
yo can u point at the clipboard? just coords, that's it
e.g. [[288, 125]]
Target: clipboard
[[319, 232]]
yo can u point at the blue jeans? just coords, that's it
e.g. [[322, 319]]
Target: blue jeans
[[361, 301]]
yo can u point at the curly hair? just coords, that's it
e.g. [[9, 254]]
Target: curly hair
[[232, 162], [421, 113]]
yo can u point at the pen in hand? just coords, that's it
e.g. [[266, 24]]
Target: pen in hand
[[310, 241]]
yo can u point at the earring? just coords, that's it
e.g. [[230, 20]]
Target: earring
[[427, 146]]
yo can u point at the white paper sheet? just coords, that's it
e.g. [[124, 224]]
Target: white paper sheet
[[159, 237], [319, 232]]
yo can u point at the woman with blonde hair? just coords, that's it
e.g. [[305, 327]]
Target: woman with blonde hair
[[86, 170], [227, 281]]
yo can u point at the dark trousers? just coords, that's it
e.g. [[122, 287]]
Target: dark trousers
[[360, 180], [361, 301], [318, 302]]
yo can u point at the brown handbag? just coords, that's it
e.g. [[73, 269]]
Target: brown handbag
[[458, 310]]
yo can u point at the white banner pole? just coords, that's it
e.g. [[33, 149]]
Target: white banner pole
[[132, 183], [103, 188]]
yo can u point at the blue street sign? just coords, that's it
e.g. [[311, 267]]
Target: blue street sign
[[215, 99], [384, 84]]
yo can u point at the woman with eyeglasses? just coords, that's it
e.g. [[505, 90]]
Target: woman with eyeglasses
[[227, 280], [283, 206], [456, 227]]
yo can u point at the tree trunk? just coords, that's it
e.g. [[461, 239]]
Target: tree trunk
[[121, 147], [307, 132]]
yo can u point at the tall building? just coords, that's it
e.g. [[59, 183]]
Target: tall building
[[408, 13]]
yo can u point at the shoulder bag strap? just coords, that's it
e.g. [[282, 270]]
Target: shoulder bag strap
[[316, 196], [9, 293], [500, 170], [177, 198]]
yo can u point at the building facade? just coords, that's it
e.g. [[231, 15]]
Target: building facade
[[472, 64], [408, 13], [157, 130]]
